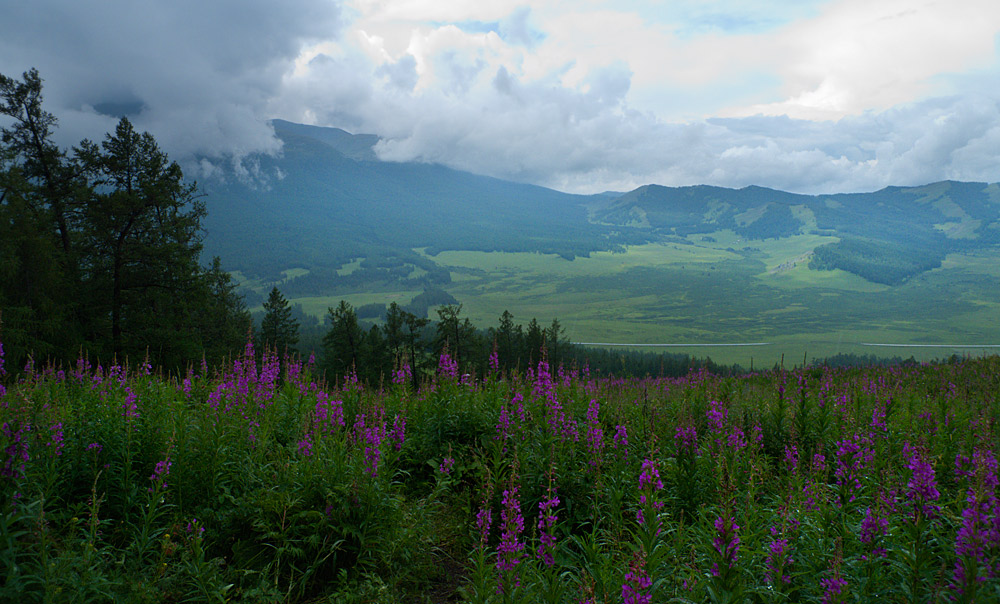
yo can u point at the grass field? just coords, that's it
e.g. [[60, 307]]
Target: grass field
[[719, 289]]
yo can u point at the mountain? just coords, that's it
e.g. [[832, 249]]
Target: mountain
[[327, 200], [886, 237]]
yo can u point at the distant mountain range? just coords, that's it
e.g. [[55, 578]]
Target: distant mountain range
[[327, 200]]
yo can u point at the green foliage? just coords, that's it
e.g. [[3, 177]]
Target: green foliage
[[101, 249], [278, 329], [291, 493], [877, 261]]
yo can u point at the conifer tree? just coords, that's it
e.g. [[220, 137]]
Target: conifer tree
[[278, 329]]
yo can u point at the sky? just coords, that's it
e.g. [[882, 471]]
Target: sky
[[583, 96]]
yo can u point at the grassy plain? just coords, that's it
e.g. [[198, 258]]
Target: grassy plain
[[720, 290]]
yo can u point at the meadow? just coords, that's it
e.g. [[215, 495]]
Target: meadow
[[682, 292], [255, 482]]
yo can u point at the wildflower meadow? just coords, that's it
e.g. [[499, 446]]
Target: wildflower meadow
[[256, 482]]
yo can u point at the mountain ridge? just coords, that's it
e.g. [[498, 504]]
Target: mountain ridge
[[328, 199]]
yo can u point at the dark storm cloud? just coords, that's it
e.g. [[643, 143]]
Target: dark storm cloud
[[198, 75]]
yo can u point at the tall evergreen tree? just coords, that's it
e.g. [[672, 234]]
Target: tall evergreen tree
[[342, 342], [506, 338], [278, 329], [554, 335], [455, 334], [142, 241], [393, 329], [414, 343], [101, 250], [534, 341]]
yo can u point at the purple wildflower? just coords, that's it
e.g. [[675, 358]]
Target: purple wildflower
[[621, 439], [3, 372], [446, 466], [737, 439], [130, 408], [58, 440], [726, 543], [484, 521], [159, 475], [328, 416], [447, 367], [494, 360], [686, 440], [547, 519], [16, 453], [833, 589], [510, 548], [791, 459], [777, 562], [872, 527], [306, 446], [398, 434], [853, 456], [635, 589], [595, 433], [402, 375], [649, 485], [922, 486], [717, 418]]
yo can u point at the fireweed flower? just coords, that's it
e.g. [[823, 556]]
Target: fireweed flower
[[819, 463], [398, 434], [922, 486], [159, 475], [447, 464], [3, 372], [595, 434], [635, 589], [547, 519], [328, 416], [510, 549], [757, 436], [494, 360], [778, 562], [621, 440], [447, 367], [130, 408], [686, 441], [872, 528], [57, 439], [716, 418], [878, 425], [737, 440], [853, 456], [372, 436], [16, 453], [726, 544], [484, 521], [649, 485], [791, 459], [402, 375], [503, 427], [834, 591], [980, 530], [306, 446]]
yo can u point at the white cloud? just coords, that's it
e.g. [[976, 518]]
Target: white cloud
[[583, 96]]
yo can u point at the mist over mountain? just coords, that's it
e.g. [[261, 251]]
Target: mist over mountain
[[327, 199]]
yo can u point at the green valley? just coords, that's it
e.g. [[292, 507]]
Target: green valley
[[808, 275]]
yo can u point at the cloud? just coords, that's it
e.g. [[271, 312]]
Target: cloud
[[828, 95], [198, 75]]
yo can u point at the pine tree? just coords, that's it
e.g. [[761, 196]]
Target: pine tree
[[342, 343], [278, 330]]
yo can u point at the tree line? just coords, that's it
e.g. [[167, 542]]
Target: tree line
[[409, 342], [100, 247]]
